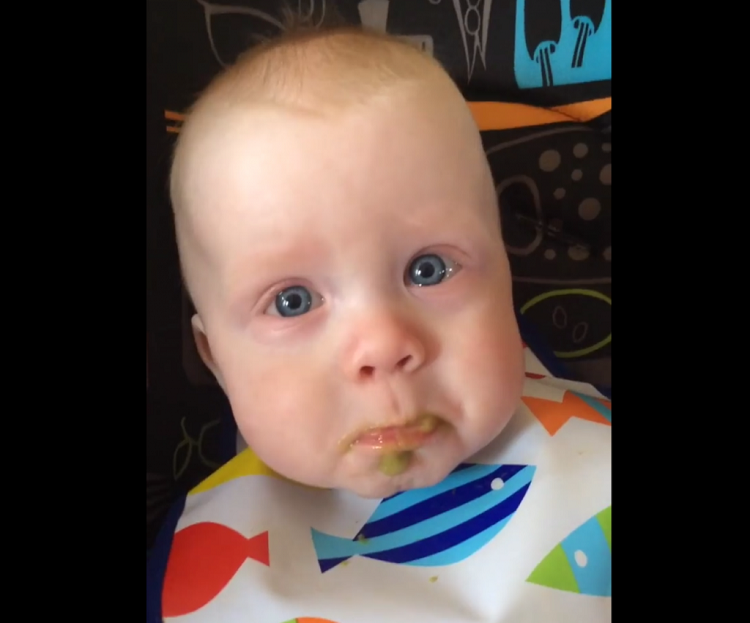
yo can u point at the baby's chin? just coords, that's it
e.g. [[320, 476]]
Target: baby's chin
[[376, 483], [379, 486], [377, 477], [370, 473], [373, 475]]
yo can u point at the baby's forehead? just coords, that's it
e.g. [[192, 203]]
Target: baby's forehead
[[316, 200], [402, 150], [388, 142], [408, 118], [395, 122]]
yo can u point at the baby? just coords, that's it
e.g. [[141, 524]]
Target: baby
[[339, 235]]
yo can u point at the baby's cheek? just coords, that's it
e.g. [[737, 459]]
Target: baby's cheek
[[492, 358], [281, 414]]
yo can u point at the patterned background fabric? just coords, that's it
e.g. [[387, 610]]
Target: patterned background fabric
[[553, 176]]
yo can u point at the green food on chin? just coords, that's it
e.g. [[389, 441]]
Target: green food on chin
[[429, 423], [395, 463]]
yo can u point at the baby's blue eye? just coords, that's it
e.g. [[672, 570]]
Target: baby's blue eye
[[293, 302], [428, 270]]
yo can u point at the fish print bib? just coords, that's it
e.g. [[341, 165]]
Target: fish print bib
[[521, 532]]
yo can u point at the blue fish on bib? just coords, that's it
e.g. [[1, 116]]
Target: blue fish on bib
[[437, 526]]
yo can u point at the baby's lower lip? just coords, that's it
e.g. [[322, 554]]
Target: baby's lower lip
[[399, 438]]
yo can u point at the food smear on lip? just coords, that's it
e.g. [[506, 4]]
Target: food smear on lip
[[395, 439], [395, 463]]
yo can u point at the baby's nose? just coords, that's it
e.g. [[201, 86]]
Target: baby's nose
[[384, 345]]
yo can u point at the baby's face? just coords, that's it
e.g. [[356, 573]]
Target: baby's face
[[355, 293]]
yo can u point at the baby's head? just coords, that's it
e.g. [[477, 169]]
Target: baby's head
[[339, 235]]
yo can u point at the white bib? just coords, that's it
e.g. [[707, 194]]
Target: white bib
[[521, 533]]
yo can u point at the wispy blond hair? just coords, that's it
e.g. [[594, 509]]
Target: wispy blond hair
[[318, 67]]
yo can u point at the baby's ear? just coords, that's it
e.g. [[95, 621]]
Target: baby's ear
[[204, 348]]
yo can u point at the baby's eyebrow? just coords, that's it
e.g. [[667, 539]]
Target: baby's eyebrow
[[275, 248], [266, 263]]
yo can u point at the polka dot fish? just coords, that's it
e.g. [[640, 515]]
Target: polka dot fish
[[582, 562], [437, 526]]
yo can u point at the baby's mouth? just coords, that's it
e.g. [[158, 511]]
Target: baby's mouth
[[400, 438]]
